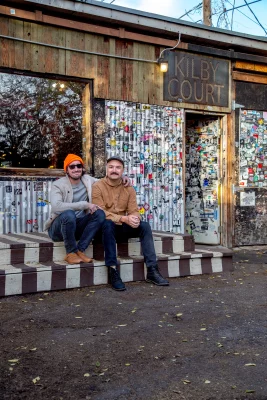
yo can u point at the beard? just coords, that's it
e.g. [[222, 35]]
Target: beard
[[75, 178]]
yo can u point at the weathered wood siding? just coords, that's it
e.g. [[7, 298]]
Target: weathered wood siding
[[116, 79]]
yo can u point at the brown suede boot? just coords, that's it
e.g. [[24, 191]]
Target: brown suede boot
[[84, 257], [73, 258]]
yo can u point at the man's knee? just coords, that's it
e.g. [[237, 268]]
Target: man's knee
[[100, 215], [145, 227], [108, 225], [68, 216]]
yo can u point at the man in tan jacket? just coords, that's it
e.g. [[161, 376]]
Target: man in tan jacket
[[123, 221]]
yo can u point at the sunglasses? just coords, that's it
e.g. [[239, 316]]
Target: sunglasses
[[79, 166]]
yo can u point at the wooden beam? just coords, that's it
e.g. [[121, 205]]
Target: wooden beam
[[248, 66], [245, 77]]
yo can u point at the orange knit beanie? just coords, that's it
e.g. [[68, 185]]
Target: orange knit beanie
[[70, 158]]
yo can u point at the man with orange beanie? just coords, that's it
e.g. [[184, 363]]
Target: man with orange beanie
[[73, 216]]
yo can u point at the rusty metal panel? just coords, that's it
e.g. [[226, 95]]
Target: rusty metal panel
[[24, 204], [149, 139], [197, 79]]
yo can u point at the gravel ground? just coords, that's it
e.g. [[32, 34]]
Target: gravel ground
[[203, 337]]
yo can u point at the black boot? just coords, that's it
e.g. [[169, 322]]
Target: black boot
[[154, 276], [115, 279]]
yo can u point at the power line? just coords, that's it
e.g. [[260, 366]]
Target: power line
[[235, 8], [232, 16], [256, 17], [252, 20], [197, 7]]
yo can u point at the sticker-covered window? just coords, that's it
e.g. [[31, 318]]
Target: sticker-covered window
[[253, 149]]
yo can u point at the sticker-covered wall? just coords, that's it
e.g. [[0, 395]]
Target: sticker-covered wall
[[149, 140], [202, 216], [253, 149], [24, 204], [251, 183]]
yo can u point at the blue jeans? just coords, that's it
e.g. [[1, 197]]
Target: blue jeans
[[112, 232], [66, 227]]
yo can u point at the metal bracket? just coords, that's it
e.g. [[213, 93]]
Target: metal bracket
[[236, 105]]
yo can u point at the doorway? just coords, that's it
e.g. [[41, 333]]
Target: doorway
[[202, 178]]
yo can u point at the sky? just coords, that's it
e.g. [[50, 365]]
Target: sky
[[241, 20]]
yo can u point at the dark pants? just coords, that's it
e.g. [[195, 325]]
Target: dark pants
[[66, 227], [111, 233]]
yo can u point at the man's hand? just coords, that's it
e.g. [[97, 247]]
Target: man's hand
[[93, 208], [131, 220], [126, 181]]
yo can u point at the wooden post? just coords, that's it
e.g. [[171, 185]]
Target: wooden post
[[207, 12]]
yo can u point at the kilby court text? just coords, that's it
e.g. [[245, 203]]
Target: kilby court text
[[197, 79]]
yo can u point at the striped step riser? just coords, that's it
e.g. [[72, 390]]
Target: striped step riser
[[46, 252], [31, 280]]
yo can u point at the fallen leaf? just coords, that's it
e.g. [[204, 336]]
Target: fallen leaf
[[250, 391], [123, 325], [97, 364], [35, 380], [127, 364], [207, 381], [203, 329], [33, 349], [186, 381], [15, 360], [78, 317], [86, 374], [179, 314], [250, 365]]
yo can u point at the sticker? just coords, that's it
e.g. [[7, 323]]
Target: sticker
[[247, 199]]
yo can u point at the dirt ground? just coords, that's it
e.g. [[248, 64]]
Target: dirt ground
[[204, 337]]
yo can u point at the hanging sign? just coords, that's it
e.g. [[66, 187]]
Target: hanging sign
[[198, 79]]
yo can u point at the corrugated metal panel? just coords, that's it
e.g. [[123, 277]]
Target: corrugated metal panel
[[24, 204], [149, 139]]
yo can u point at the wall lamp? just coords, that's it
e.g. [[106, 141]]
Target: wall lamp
[[163, 63]]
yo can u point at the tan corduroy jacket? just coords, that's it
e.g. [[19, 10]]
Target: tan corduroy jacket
[[115, 199]]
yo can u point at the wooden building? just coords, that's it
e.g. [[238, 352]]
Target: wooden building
[[194, 138]]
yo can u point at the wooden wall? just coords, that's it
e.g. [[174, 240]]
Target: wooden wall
[[113, 78]]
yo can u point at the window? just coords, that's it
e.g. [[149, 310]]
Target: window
[[40, 121]]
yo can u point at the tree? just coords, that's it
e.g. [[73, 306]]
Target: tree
[[40, 121]]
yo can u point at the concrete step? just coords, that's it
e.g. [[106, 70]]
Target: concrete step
[[47, 276], [31, 262], [38, 247]]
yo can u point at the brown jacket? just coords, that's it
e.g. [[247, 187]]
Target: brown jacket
[[115, 199]]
